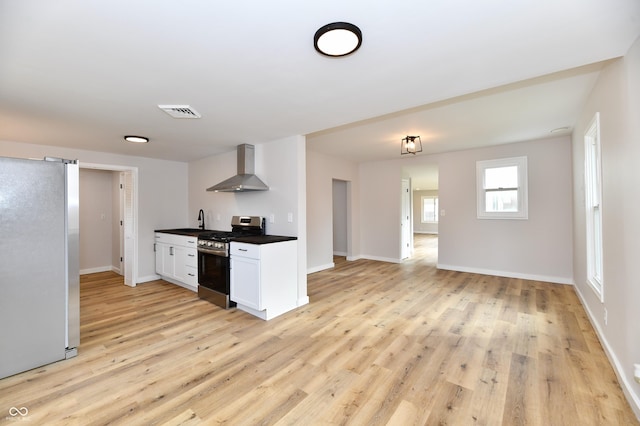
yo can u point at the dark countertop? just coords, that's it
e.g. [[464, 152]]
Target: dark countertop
[[263, 239], [254, 239], [189, 232]]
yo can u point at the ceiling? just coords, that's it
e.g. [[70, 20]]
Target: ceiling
[[459, 73]]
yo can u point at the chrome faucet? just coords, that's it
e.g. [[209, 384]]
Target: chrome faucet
[[201, 219]]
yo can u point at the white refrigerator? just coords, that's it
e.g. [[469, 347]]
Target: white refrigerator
[[39, 265]]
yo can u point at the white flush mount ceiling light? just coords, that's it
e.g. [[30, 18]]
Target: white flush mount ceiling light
[[136, 139], [337, 39], [410, 145]]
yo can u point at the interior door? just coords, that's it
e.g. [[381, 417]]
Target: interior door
[[406, 240], [129, 229]]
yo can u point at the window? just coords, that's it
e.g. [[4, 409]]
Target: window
[[593, 197], [502, 188], [429, 209]]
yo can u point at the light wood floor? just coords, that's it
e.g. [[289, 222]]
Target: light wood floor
[[379, 343]]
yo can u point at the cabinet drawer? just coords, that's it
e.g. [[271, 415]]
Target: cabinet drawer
[[245, 250], [176, 240], [192, 276], [164, 238], [191, 258], [191, 242]]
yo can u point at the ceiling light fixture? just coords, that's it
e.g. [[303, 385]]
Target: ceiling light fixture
[[136, 139], [559, 129], [337, 39], [410, 145]]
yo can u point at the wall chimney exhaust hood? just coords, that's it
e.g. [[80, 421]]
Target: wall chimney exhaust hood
[[245, 180]]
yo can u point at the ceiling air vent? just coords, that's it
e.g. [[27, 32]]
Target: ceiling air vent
[[180, 111]]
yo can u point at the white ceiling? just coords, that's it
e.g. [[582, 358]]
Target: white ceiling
[[459, 73]]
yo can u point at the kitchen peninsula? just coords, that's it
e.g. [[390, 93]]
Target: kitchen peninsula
[[244, 268]]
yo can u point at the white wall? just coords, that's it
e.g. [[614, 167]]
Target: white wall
[[96, 220], [321, 171], [162, 191], [281, 165], [380, 204], [616, 97], [537, 248]]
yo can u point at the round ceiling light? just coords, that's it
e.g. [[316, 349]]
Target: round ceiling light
[[136, 139], [337, 39]]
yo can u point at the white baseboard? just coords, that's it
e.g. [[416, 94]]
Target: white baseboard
[[426, 232], [381, 259], [507, 274], [178, 283], [98, 269], [148, 278], [627, 386], [320, 268], [339, 253]]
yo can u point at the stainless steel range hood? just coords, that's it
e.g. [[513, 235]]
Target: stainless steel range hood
[[245, 180]]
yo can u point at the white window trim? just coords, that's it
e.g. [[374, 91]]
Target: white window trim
[[523, 204], [422, 198], [593, 200]]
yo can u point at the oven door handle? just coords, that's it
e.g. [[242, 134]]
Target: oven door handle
[[213, 252]]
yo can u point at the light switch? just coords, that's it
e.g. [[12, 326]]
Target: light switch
[[289, 217], [442, 212]]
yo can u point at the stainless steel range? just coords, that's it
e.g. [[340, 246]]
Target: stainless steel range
[[214, 275]]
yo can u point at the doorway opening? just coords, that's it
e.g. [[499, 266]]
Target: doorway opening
[[124, 215], [426, 211], [341, 216]]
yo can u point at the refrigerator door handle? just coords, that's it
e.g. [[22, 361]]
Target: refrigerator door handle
[[72, 172]]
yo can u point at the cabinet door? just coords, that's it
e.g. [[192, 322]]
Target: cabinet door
[[165, 260], [245, 282], [158, 249], [180, 265]]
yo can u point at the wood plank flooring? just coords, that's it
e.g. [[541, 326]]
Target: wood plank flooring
[[379, 344]]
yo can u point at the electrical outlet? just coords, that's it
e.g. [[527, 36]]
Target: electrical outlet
[[605, 316], [272, 218]]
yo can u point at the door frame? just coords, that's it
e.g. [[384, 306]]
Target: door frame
[[406, 222], [130, 264]]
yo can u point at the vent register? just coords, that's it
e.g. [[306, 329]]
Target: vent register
[[180, 111]]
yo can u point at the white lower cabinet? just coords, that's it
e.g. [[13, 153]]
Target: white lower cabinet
[[264, 277], [177, 259]]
